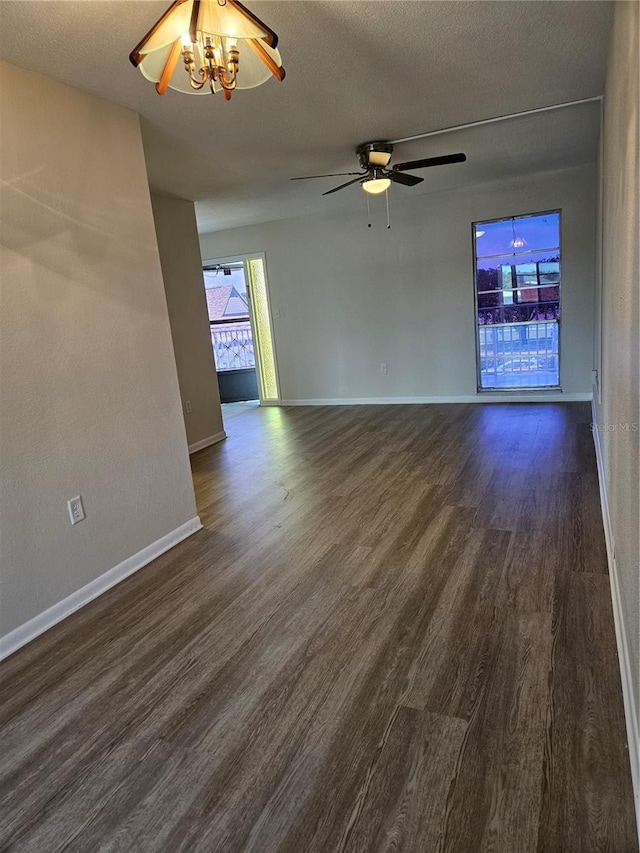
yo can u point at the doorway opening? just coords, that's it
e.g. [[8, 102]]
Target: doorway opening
[[241, 329]]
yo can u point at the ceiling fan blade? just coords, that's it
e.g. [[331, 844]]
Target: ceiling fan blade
[[407, 180], [430, 161], [342, 186], [333, 175]]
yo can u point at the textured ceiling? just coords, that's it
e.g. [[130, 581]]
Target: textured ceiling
[[356, 71]]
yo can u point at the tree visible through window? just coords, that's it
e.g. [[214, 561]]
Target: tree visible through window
[[517, 285]]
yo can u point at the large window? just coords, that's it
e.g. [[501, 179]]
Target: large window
[[517, 272]]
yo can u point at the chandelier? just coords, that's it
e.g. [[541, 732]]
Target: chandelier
[[223, 46], [517, 241]]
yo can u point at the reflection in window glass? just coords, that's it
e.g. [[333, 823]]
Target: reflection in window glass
[[517, 272]]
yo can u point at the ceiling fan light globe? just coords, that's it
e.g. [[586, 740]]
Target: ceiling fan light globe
[[375, 186]]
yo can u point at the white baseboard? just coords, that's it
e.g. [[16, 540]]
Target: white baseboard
[[22, 635], [630, 709], [504, 397], [207, 442]]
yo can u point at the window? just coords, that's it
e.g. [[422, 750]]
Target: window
[[517, 286], [228, 305]]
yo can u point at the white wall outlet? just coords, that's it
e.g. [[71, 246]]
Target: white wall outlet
[[277, 314], [187, 407], [76, 510], [383, 368]]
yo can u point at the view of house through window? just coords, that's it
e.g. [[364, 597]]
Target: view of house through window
[[517, 278]]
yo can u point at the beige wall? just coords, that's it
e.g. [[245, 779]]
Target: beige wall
[[350, 297], [182, 271], [90, 400], [619, 319]]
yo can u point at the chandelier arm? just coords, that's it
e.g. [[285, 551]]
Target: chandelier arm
[[227, 75], [226, 85], [277, 70], [198, 80], [136, 56], [170, 67], [198, 83]]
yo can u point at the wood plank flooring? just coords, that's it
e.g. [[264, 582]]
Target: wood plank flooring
[[394, 634]]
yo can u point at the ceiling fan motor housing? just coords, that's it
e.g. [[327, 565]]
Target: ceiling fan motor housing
[[374, 154]]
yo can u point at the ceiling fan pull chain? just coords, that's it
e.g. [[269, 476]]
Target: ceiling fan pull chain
[[368, 212], [386, 192]]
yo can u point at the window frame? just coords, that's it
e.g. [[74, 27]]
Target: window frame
[[517, 389]]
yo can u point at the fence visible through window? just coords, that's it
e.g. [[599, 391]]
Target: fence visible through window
[[519, 354], [232, 346]]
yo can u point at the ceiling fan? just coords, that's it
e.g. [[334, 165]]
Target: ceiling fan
[[375, 177]]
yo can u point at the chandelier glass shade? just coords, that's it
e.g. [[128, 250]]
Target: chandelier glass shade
[[201, 46]]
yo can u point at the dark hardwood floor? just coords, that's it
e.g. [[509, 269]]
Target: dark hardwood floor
[[394, 634]]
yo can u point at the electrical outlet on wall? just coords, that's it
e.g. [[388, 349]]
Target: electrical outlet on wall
[[187, 407], [76, 510], [383, 368]]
